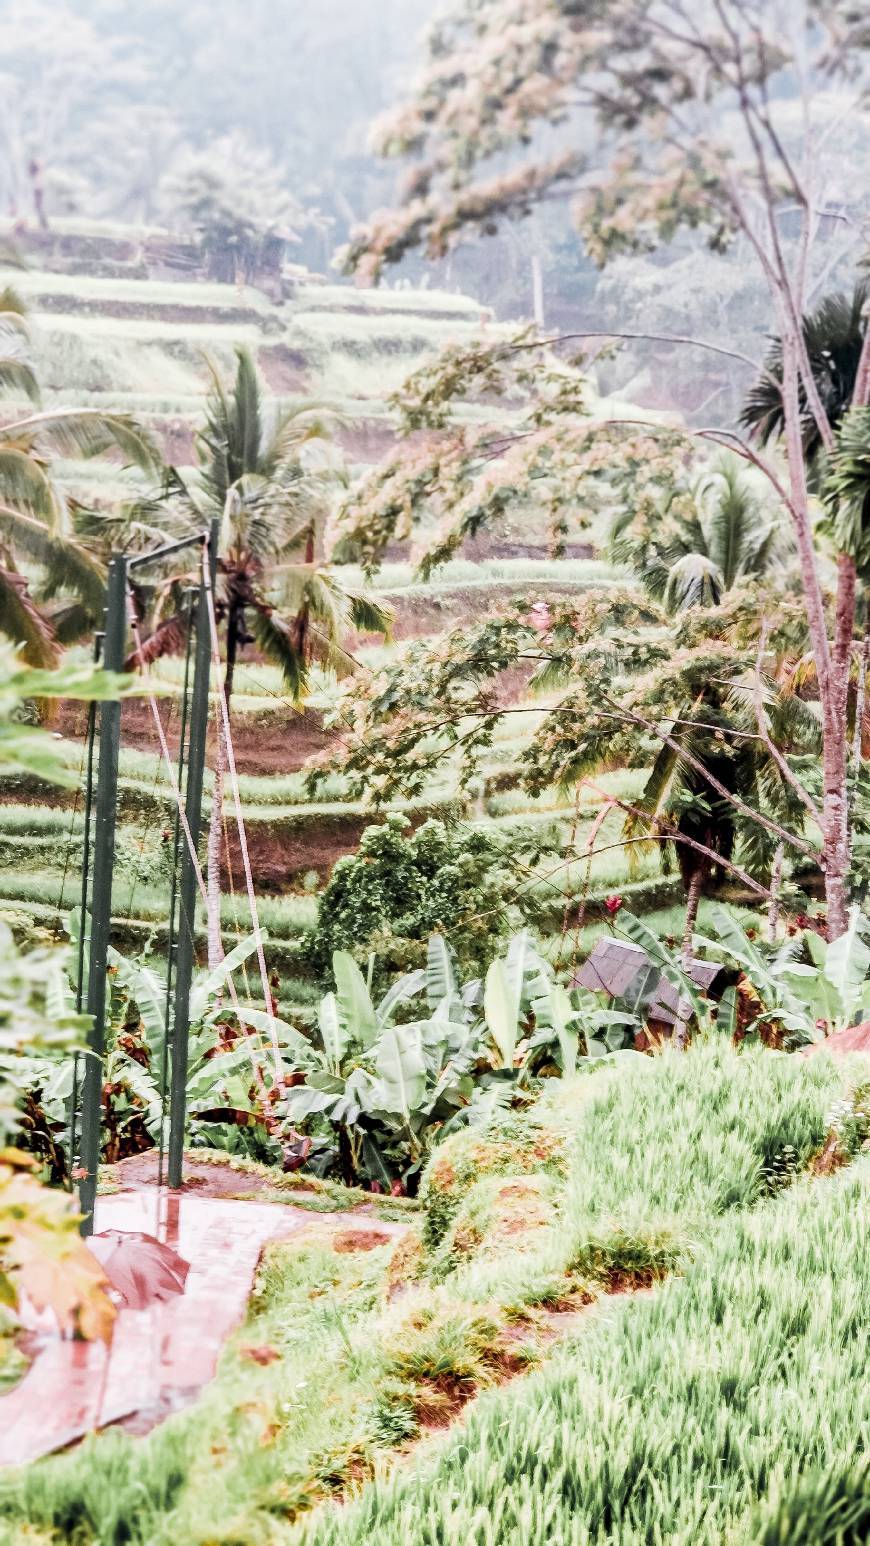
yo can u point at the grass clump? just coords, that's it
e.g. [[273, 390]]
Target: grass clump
[[516, 1147], [500, 1214]]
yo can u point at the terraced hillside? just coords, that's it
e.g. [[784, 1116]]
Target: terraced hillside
[[122, 322]]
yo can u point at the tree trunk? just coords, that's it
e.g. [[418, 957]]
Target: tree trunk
[[832, 664], [861, 694], [693, 899], [835, 806], [775, 884], [216, 823]]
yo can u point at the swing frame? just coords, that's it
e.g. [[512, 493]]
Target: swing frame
[[99, 858]]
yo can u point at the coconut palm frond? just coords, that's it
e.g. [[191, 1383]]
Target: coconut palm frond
[[23, 623], [665, 776], [325, 601], [231, 442], [846, 489], [298, 425], [169, 638], [72, 622], [834, 335], [693, 581], [18, 377], [25, 484], [66, 564], [284, 644], [732, 513], [331, 655], [370, 616], [87, 432]]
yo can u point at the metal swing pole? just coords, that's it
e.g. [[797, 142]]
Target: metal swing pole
[[84, 937], [173, 897], [114, 649], [187, 887]]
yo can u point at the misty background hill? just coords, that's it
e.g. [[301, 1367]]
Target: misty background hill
[[144, 112]]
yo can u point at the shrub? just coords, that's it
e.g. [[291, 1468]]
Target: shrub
[[401, 886]]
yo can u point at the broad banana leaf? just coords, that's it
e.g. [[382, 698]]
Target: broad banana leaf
[[304, 1101], [401, 992], [208, 986], [555, 1012], [847, 962], [354, 1000], [440, 970], [401, 1072], [289, 1039], [642, 935], [332, 1031], [147, 989], [501, 1009]]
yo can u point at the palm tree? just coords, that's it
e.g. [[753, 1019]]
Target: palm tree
[[52, 578], [715, 724], [699, 549], [270, 473], [834, 336]]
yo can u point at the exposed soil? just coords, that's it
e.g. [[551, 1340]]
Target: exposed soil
[[279, 855], [349, 1240], [138, 1173], [285, 369], [269, 745], [149, 310]]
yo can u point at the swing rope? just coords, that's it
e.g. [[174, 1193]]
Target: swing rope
[[146, 828], [194, 856], [243, 839]]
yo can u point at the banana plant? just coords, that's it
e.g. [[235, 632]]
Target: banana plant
[[839, 973], [381, 1086], [513, 982]]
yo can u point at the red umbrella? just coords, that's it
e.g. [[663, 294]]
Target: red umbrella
[[139, 1267]]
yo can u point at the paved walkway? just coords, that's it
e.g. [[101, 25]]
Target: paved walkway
[[159, 1358]]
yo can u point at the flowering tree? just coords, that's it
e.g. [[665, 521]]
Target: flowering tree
[[731, 117]]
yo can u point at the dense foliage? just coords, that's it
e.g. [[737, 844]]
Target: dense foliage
[[402, 885]]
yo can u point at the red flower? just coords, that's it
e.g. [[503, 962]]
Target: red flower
[[613, 904]]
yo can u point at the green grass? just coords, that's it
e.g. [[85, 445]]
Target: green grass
[[33, 283], [385, 299], [674, 1418], [692, 1419]]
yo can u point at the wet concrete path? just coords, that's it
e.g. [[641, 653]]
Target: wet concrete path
[[160, 1358]]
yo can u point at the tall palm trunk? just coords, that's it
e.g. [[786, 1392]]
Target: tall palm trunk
[[775, 886], [861, 692], [693, 899], [216, 823]]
